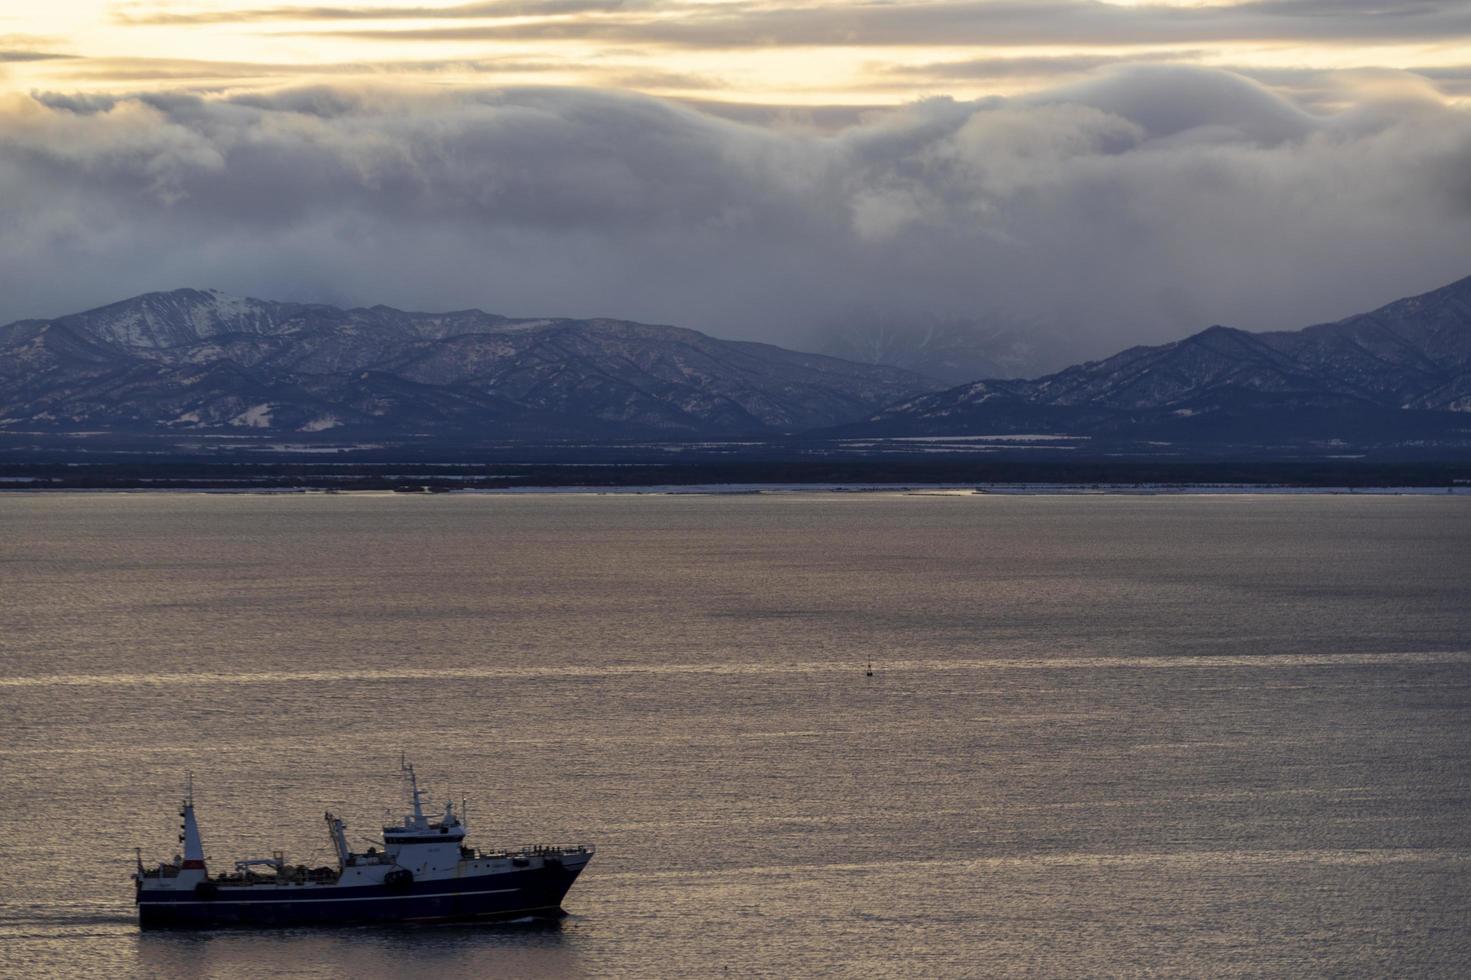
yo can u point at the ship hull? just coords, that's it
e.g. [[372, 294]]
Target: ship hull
[[508, 895]]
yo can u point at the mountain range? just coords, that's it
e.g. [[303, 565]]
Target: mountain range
[[1400, 373], [203, 362]]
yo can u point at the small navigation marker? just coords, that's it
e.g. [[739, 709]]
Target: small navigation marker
[[869, 672]]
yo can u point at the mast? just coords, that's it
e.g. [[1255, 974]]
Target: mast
[[189, 836], [415, 794]]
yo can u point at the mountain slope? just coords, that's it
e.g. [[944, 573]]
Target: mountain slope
[[1402, 372], [193, 360], [953, 350]]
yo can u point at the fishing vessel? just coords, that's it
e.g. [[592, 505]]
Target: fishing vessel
[[424, 872]]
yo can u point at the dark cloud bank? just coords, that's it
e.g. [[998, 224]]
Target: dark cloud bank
[[1136, 206]]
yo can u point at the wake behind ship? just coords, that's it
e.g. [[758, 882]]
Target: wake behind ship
[[424, 873]]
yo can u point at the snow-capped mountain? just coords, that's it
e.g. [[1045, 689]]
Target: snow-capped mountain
[[1402, 372], [192, 360]]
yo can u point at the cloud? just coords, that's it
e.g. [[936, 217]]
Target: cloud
[[16, 48], [141, 69], [488, 10], [1134, 207], [15, 56], [1165, 100], [1450, 79], [1033, 66], [986, 23]]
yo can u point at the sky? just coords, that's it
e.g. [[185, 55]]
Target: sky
[[1083, 174]]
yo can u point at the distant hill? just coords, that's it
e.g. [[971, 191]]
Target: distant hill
[[1401, 374], [953, 350], [202, 361]]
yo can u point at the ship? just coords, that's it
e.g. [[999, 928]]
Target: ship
[[424, 872]]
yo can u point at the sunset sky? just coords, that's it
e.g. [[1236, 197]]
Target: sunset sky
[[1104, 172], [732, 50]]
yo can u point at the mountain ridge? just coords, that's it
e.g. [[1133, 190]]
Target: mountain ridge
[[199, 360], [1403, 367]]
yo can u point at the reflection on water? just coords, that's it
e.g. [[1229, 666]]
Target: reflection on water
[[207, 679], [1186, 736], [519, 950]]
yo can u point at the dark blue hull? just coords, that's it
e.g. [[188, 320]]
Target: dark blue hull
[[514, 894]]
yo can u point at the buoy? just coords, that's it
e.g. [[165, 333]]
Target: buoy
[[869, 672]]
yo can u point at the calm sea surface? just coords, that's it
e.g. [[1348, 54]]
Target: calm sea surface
[[1175, 736]]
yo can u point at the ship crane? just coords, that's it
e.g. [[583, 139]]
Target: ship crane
[[338, 832], [278, 862]]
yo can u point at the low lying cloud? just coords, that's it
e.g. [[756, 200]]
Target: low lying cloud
[[1136, 206]]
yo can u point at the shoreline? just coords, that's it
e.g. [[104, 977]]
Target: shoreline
[[18, 488], [525, 473]]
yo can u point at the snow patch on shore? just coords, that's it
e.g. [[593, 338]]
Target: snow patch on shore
[[321, 424], [254, 417]]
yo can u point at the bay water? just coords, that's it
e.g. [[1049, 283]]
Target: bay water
[[1105, 735]]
